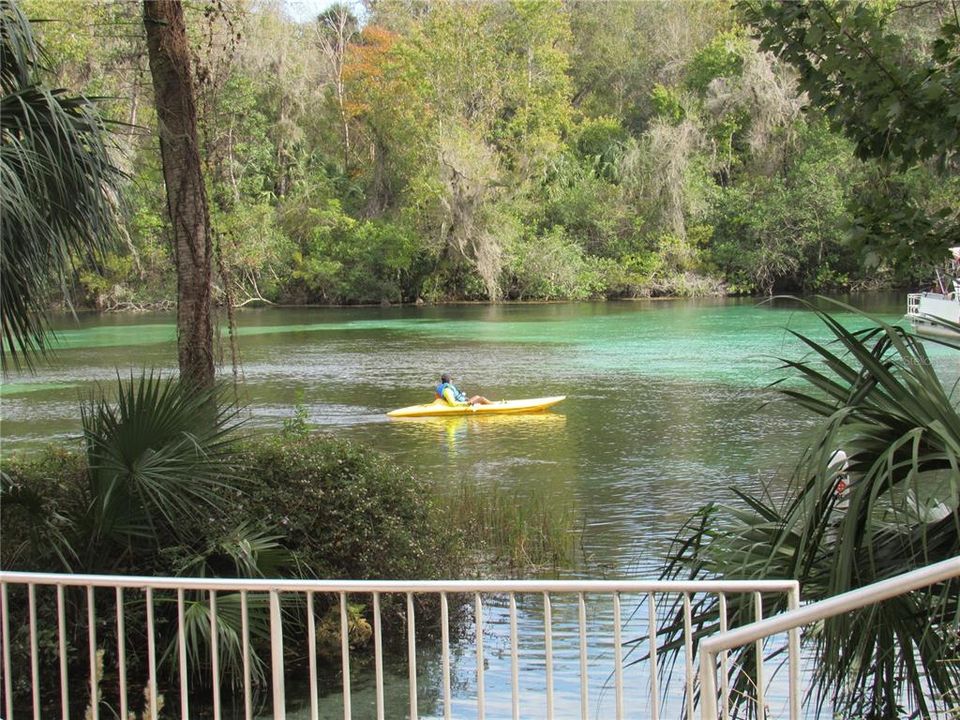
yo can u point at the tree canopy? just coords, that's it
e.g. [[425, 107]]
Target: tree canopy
[[537, 149], [888, 76]]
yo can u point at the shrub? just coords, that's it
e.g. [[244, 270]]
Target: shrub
[[345, 260], [40, 499], [296, 505], [155, 456], [345, 511], [552, 267]]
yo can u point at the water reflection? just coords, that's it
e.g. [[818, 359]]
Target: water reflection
[[569, 688], [454, 432]]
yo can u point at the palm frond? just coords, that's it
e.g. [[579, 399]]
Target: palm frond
[[156, 458], [229, 626], [242, 551], [58, 180], [882, 402]]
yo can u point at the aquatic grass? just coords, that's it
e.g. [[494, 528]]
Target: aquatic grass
[[526, 529]]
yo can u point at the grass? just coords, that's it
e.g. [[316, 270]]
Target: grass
[[523, 529]]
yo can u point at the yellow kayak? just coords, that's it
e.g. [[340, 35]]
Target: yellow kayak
[[439, 407]]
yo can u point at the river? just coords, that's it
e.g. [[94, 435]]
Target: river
[[666, 409]]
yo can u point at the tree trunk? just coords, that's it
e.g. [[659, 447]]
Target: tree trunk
[[186, 197]]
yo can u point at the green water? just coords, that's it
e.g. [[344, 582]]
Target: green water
[[662, 410], [665, 406]]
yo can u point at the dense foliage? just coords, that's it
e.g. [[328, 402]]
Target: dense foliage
[[529, 149], [162, 490], [344, 511], [890, 80]]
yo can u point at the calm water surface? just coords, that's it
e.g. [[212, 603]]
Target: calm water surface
[[665, 411]]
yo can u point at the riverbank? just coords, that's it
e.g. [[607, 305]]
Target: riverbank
[[643, 294]]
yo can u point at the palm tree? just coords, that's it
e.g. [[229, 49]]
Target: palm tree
[[883, 403], [58, 180]]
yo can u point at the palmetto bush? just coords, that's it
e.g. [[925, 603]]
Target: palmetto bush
[[159, 491], [153, 466], [156, 458], [145, 497], [881, 402]]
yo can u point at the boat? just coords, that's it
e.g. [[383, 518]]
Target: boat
[[441, 407], [936, 313], [929, 313]]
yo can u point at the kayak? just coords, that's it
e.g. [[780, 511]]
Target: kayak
[[439, 407]]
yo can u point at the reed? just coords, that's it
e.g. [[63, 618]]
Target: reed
[[525, 529]]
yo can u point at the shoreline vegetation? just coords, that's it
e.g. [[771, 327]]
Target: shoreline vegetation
[[154, 489], [169, 306]]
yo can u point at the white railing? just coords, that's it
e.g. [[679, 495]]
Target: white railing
[[128, 610], [913, 304], [714, 648]]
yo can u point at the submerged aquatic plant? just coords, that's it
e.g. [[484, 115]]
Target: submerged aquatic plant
[[883, 403]]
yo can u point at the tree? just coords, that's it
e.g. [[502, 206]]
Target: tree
[[336, 27], [599, 49], [469, 174], [898, 101], [277, 61], [532, 39], [187, 206], [59, 187], [391, 115]]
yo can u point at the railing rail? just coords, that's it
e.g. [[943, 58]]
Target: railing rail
[[115, 595], [913, 303], [397, 586], [102, 604], [713, 647]]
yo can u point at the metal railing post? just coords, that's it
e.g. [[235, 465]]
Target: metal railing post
[[276, 657], [793, 642], [708, 686]]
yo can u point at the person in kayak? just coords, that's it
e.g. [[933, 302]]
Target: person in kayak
[[448, 392]]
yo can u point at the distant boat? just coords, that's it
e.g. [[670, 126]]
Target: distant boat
[[937, 313]]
